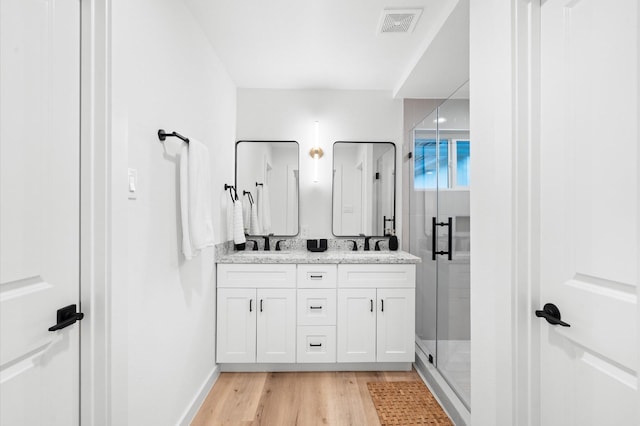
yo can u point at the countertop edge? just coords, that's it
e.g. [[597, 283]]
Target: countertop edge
[[330, 257]]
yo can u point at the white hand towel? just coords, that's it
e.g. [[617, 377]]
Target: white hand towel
[[238, 226], [264, 215], [195, 199], [246, 213], [265, 220], [254, 227], [229, 204]]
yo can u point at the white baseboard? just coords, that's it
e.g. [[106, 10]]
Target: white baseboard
[[329, 366], [199, 398]]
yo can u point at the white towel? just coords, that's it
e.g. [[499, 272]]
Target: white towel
[[254, 227], [246, 213], [238, 226], [264, 208], [266, 212], [195, 199], [229, 203]]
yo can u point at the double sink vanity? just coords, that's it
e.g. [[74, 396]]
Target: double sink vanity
[[298, 310]]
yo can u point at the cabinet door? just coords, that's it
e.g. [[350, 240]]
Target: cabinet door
[[276, 325], [395, 325], [236, 340], [356, 325]]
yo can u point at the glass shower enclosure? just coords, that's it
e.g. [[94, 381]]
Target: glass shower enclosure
[[440, 236]]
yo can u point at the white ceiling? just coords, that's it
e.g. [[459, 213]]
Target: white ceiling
[[335, 44]]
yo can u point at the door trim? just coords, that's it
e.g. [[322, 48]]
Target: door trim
[[526, 204], [95, 208], [504, 125]]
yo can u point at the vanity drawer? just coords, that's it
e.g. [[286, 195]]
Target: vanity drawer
[[255, 275], [317, 276], [316, 344], [316, 307], [377, 276]]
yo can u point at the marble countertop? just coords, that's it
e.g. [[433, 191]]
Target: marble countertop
[[329, 256]]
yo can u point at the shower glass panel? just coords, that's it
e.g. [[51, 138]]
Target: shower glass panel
[[440, 228], [423, 203]]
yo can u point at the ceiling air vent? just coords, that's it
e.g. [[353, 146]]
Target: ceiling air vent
[[399, 20]]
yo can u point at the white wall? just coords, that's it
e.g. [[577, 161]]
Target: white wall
[[343, 115], [166, 75]]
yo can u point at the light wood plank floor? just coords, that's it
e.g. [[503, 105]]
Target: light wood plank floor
[[297, 398]]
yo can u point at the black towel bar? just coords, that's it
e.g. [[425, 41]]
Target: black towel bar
[[249, 196], [162, 135], [232, 190]]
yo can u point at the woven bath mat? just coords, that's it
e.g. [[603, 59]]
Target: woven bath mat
[[406, 403]]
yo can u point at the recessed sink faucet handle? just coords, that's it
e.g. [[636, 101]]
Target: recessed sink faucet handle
[[355, 245], [278, 244], [255, 244], [377, 246]]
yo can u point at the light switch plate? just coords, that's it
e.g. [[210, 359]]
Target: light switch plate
[[132, 183]]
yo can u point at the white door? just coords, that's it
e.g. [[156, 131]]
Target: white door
[[236, 339], [39, 210], [396, 325], [276, 325], [589, 211], [356, 325]]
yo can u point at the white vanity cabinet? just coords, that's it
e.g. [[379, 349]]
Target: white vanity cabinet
[[315, 316], [236, 337], [376, 313], [316, 313], [256, 315]]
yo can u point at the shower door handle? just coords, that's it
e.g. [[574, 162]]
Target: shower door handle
[[449, 224]]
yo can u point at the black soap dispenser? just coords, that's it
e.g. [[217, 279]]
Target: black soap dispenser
[[393, 243]]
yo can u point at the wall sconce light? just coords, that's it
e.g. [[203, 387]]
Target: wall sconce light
[[316, 152]]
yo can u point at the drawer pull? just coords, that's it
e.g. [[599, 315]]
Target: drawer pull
[[371, 301], [250, 303], [316, 277], [382, 304], [315, 307], [315, 345], [260, 305]]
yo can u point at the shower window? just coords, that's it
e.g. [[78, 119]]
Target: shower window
[[461, 170], [441, 163]]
